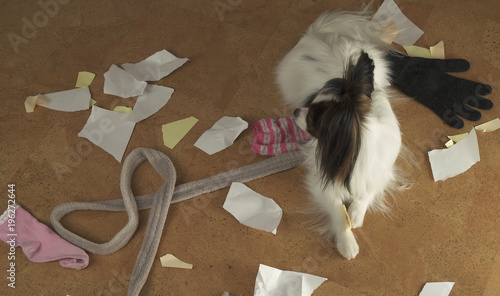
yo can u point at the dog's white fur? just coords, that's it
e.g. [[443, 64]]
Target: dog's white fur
[[321, 54]]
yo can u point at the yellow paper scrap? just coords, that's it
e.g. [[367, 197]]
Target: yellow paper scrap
[[170, 260], [489, 126], [458, 138], [437, 51], [92, 102], [389, 32], [84, 79], [348, 220], [417, 51], [173, 132], [123, 109], [31, 102], [449, 144]]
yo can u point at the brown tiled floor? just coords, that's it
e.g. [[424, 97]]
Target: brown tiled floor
[[444, 231]]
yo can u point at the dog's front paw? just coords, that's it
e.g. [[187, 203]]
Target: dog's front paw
[[347, 245], [357, 217], [357, 214]]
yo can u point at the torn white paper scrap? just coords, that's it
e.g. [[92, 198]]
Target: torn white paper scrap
[[221, 135], [69, 100], [489, 126], [388, 12], [152, 100], [450, 162], [120, 83], [253, 209], [170, 260], [155, 67], [109, 130], [437, 289], [271, 281]]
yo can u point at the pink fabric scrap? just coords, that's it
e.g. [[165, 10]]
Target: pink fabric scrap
[[276, 136], [18, 228]]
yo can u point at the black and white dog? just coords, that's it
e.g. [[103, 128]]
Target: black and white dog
[[337, 78]]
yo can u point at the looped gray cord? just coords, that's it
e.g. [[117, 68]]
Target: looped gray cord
[[158, 202]]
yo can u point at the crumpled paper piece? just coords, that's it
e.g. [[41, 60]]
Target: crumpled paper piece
[[150, 102], [123, 109], [68, 100], [434, 52], [170, 260], [84, 79], [489, 126], [253, 209], [271, 281], [31, 102], [155, 67], [173, 132], [450, 162], [120, 83], [109, 130], [437, 289], [437, 51], [389, 12], [455, 139], [221, 135], [458, 138]]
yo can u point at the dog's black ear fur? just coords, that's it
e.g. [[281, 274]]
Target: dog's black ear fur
[[339, 128]]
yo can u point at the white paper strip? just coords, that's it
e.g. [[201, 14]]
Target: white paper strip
[[271, 281], [152, 100], [437, 289], [69, 100], [109, 130], [449, 162], [388, 12], [221, 135], [253, 209], [120, 83], [155, 67]]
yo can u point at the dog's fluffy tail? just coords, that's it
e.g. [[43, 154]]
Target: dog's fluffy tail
[[345, 22], [339, 140], [356, 25]]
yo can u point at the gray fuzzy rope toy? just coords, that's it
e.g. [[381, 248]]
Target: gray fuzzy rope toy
[[158, 202]]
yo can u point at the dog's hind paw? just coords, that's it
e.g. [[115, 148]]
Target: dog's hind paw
[[347, 245]]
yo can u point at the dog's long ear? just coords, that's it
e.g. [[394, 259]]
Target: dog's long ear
[[339, 134], [359, 78]]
